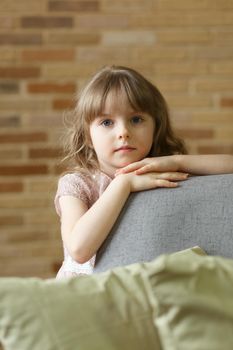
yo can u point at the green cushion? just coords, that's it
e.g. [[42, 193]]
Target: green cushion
[[106, 312], [178, 301], [194, 296]]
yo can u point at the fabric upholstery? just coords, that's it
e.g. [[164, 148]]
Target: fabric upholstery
[[198, 212]]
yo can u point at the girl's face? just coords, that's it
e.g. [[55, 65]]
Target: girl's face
[[120, 135]]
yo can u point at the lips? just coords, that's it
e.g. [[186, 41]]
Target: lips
[[125, 148]]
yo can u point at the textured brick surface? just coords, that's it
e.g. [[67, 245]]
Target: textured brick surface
[[79, 6], [15, 170], [12, 220], [50, 87], [73, 39], [48, 49], [19, 72], [47, 55], [61, 104], [44, 153], [9, 87], [227, 102], [23, 137], [11, 187], [20, 39], [46, 22], [10, 121]]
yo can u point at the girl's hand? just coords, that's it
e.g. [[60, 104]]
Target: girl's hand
[[151, 180], [155, 164]]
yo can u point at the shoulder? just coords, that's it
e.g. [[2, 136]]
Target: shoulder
[[76, 185], [76, 181], [71, 184], [72, 180]]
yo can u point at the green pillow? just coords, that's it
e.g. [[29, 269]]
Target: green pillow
[[105, 312], [179, 301], [194, 296]]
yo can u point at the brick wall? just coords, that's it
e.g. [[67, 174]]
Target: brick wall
[[48, 49]]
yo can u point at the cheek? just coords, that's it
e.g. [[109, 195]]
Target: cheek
[[148, 135], [148, 141], [93, 136], [97, 140]]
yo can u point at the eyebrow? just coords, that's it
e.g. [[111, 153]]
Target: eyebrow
[[108, 114], [104, 115]]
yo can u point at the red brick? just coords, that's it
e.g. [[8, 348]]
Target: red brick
[[13, 170], [63, 104], [20, 39], [23, 137], [9, 87], [48, 55], [19, 236], [48, 87], [11, 187], [55, 266], [45, 120], [11, 121], [216, 149], [74, 39], [46, 22], [195, 133], [30, 250], [227, 102], [19, 72], [26, 267], [44, 153], [80, 6], [11, 220]]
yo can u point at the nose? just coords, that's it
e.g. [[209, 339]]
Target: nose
[[123, 132]]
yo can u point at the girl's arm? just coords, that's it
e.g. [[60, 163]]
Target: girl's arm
[[193, 164], [205, 164], [84, 230]]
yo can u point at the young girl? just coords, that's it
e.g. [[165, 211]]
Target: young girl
[[121, 141]]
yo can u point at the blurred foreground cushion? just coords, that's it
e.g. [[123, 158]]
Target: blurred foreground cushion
[[178, 301]]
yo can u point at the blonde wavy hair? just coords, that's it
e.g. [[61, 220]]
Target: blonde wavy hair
[[142, 95]]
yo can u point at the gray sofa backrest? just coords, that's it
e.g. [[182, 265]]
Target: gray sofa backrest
[[198, 212]]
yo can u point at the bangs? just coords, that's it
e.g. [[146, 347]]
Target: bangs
[[93, 98]]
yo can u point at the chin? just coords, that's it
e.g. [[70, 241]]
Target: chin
[[124, 164]]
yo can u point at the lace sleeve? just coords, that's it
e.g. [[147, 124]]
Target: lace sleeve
[[72, 185]]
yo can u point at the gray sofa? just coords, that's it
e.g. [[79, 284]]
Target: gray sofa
[[198, 212]]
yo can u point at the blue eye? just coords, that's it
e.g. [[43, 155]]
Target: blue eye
[[107, 122], [136, 119]]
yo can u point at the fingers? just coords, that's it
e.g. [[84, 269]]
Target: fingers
[[155, 167], [155, 180], [147, 165], [145, 169], [168, 179], [150, 182], [129, 168], [172, 176], [165, 183]]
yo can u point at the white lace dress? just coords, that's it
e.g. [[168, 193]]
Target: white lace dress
[[88, 189]]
